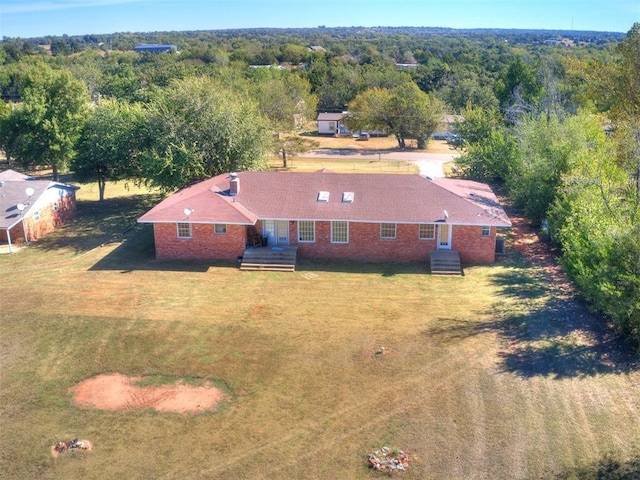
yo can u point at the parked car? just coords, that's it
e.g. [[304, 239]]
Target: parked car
[[442, 136]]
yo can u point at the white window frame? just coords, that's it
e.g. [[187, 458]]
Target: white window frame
[[36, 216], [336, 229], [220, 228], [426, 235], [386, 231], [184, 226], [486, 231], [306, 231]]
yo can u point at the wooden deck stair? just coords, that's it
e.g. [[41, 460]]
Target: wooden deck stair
[[273, 259], [445, 262]]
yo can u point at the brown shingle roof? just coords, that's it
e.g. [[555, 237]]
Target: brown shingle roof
[[208, 204], [377, 198]]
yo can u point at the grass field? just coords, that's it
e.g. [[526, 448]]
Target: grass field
[[492, 375]]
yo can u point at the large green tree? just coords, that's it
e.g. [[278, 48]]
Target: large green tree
[[42, 131], [111, 144], [199, 128], [285, 99], [595, 220], [489, 150], [404, 111]]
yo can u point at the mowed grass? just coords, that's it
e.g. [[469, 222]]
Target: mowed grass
[[496, 374]]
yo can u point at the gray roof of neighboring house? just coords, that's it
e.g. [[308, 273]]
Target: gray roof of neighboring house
[[377, 198], [13, 186], [331, 117]]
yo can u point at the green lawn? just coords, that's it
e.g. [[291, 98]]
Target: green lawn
[[492, 375]]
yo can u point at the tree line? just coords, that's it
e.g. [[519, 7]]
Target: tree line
[[577, 175], [559, 127]]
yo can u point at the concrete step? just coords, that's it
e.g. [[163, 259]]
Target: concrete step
[[280, 259], [445, 262]]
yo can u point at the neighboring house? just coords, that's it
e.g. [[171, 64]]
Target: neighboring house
[[406, 66], [327, 215], [447, 127], [156, 48], [331, 124], [30, 208]]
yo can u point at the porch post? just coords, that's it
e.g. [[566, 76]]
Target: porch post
[[9, 239]]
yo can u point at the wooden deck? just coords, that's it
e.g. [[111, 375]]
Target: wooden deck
[[281, 258], [445, 262]]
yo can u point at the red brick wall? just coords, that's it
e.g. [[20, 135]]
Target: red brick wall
[[204, 244], [17, 235], [364, 243], [49, 219], [472, 246]]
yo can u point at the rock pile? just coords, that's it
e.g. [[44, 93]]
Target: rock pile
[[389, 461], [71, 445]]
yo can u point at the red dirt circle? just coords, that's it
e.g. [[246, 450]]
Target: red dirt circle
[[120, 392]]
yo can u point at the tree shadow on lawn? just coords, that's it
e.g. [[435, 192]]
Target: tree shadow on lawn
[[136, 252], [543, 331], [608, 468], [98, 223]]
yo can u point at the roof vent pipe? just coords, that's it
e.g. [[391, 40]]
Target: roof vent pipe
[[234, 184]]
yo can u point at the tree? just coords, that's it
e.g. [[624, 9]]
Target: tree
[[44, 129], [198, 129], [404, 111], [518, 90], [625, 109], [593, 220], [285, 99], [111, 144], [369, 110], [415, 114], [290, 145]]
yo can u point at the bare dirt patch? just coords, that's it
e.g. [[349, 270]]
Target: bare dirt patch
[[388, 143], [120, 392]]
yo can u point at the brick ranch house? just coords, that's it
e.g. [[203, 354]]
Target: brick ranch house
[[31, 208], [327, 215]]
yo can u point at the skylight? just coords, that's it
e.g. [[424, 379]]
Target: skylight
[[323, 196], [347, 197]]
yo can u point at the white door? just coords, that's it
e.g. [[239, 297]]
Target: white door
[[444, 236], [276, 231]]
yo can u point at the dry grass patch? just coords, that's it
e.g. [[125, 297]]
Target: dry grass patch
[[479, 379]]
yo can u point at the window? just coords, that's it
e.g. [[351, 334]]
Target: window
[[347, 197], [184, 230], [486, 230], [307, 231], [36, 216], [427, 232], [339, 232], [387, 230], [220, 228]]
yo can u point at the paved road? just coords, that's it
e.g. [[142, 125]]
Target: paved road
[[428, 163]]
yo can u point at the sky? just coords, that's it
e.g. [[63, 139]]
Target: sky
[[34, 18]]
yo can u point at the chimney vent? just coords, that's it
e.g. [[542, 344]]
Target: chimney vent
[[234, 184]]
